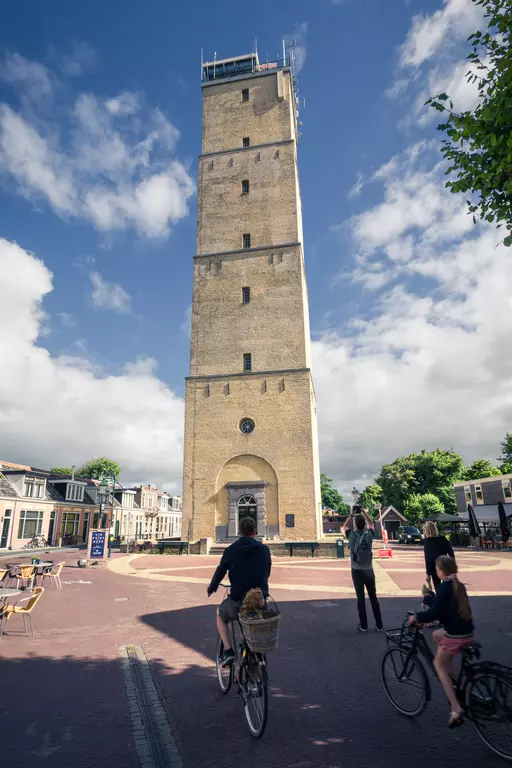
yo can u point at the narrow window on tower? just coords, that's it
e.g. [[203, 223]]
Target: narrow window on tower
[[246, 142], [247, 362], [245, 94], [246, 295], [247, 240], [245, 187]]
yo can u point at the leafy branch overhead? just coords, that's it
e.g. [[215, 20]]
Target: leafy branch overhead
[[478, 146]]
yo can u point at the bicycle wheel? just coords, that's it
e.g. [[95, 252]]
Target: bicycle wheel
[[489, 706], [405, 682], [224, 674], [255, 694]]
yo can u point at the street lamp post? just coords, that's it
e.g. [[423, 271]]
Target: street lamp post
[[102, 499]]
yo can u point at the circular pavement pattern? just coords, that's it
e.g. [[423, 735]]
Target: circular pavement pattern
[[484, 573]]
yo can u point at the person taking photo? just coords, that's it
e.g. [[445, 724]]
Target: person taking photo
[[360, 532]]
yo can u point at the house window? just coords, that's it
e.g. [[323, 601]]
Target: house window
[[245, 94], [30, 525], [467, 494], [246, 295], [247, 240], [246, 142], [143, 499], [33, 489], [245, 187], [74, 492], [247, 362], [70, 523], [507, 492], [150, 502], [479, 495]]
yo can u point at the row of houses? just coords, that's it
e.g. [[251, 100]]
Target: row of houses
[[62, 508]]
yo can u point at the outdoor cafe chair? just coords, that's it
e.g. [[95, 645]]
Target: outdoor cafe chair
[[26, 573], [25, 611], [55, 575], [4, 575]]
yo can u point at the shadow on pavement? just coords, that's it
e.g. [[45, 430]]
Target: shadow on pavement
[[327, 707]]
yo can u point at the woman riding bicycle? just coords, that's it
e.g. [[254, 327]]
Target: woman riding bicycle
[[451, 607]]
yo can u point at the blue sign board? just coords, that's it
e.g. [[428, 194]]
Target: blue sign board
[[98, 544]]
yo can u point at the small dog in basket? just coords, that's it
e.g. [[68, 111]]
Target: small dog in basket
[[253, 605]]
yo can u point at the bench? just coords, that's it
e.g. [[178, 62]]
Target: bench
[[164, 544], [312, 545]]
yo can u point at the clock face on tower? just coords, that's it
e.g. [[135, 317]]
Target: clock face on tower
[[246, 426]]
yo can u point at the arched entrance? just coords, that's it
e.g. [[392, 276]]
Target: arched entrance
[[247, 507], [249, 480]]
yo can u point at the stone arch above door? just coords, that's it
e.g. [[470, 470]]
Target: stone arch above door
[[246, 475]]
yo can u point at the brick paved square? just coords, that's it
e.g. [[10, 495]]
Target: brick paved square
[[64, 700]]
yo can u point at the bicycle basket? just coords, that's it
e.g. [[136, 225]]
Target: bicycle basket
[[262, 635]]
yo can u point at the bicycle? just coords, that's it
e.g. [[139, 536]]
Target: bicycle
[[37, 542], [484, 688], [249, 670]]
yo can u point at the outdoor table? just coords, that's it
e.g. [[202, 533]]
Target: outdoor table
[[5, 593]]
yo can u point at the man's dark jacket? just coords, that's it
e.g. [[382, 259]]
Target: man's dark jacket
[[248, 564]]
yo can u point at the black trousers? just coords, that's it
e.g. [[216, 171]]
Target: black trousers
[[435, 580], [361, 580]]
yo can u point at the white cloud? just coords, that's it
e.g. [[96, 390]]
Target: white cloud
[[80, 59], [298, 36], [109, 296], [187, 321], [66, 319], [430, 366], [453, 22], [358, 185], [115, 170], [124, 104], [58, 411], [34, 79]]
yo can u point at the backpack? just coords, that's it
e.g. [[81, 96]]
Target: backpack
[[361, 548]]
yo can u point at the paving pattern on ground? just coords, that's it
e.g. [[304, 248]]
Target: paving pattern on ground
[[66, 700], [402, 575]]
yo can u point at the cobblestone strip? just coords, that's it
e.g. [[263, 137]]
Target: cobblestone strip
[[152, 733]]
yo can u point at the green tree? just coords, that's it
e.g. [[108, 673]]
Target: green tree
[[420, 473], [397, 481], [62, 470], [436, 472], [505, 459], [371, 497], [481, 468], [422, 505], [478, 146], [96, 469], [331, 498]]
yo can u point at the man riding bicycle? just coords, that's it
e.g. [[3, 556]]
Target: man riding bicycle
[[247, 562]]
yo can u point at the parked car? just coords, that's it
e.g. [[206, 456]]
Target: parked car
[[409, 534]]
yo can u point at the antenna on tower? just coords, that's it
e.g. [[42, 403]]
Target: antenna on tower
[[201, 63]]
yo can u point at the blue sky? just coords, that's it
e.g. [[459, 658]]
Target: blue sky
[[100, 129]]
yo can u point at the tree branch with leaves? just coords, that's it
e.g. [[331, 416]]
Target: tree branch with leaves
[[478, 146]]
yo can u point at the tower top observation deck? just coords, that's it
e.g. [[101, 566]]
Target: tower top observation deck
[[240, 66]]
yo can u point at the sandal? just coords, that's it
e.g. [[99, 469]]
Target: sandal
[[455, 720]]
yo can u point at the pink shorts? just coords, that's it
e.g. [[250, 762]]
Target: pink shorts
[[454, 645]]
